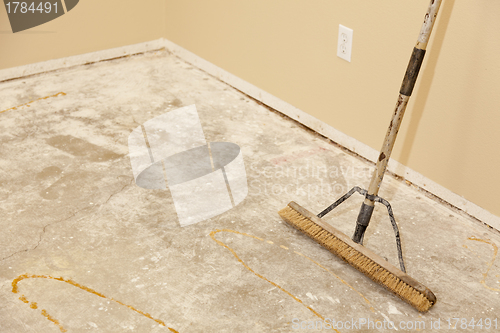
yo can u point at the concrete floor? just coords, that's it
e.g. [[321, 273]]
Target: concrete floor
[[83, 248]]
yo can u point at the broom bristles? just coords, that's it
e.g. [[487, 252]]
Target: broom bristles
[[360, 261]]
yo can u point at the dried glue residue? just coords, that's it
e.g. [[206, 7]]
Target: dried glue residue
[[213, 233], [15, 289], [38, 99], [490, 263], [53, 320]]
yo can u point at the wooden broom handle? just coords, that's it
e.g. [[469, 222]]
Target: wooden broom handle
[[407, 86], [404, 95]]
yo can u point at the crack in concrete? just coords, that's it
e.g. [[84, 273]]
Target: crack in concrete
[[113, 194], [42, 233], [62, 220]]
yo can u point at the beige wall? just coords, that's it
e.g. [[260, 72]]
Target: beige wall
[[91, 26], [288, 48]]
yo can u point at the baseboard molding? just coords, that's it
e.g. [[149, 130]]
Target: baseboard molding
[[81, 59], [277, 104]]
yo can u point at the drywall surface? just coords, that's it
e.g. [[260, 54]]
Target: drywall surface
[[288, 48], [90, 26]]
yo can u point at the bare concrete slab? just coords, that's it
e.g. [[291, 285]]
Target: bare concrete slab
[[83, 248]]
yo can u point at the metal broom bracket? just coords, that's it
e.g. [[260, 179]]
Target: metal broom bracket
[[375, 198]]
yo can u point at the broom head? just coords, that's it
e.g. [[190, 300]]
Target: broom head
[[358, 256]]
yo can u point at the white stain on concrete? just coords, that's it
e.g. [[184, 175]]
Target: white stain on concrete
[[311, 296], [393, 310], [387, 318], [334, 301]]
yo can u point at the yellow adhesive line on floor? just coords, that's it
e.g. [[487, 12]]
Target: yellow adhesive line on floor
[[15, 289], [468, 248], [55, 321], [38, 99], [213, 233], [490, 263]]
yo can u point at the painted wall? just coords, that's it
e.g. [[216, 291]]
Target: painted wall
[[450, 133], [91, 25]]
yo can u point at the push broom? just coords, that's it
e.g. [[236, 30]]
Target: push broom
[[352, 250]]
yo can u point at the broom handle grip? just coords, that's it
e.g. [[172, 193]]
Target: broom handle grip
[[407, 86]]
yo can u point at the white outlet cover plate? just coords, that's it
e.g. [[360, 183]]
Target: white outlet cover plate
[[344, 44]]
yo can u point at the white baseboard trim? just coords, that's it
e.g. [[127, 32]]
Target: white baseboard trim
[[81, 59], [279, 105]]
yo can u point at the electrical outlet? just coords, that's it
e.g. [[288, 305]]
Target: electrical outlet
[[344, 46]]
